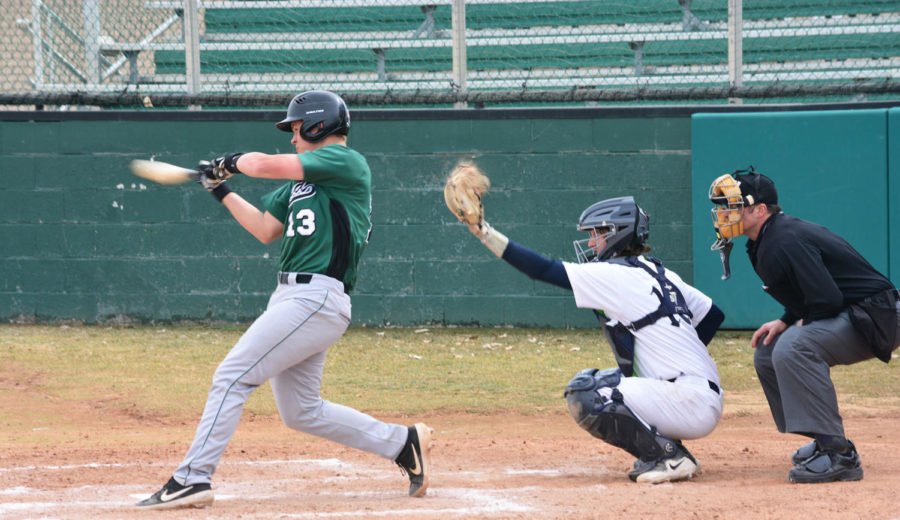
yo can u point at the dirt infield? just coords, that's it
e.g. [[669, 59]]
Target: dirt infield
[[94, 463]]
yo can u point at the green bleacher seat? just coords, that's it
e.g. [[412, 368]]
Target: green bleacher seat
[[774, 33]]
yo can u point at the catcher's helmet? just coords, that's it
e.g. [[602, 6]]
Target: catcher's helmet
[[323, 113], [620, 221]]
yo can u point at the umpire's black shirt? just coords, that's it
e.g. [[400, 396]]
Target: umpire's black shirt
[[812, 272]]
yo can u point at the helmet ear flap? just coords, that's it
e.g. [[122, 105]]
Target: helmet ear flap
[[313, 130], [641, 227]]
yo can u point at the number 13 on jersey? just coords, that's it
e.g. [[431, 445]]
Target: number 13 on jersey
[[303, 224]]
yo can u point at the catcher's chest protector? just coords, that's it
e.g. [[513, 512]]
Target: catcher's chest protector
[[671, 303]]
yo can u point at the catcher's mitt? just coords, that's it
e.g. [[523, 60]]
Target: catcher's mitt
[[463, 191]]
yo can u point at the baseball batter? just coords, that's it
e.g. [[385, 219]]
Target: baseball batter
[[322, 215], [666, 387]]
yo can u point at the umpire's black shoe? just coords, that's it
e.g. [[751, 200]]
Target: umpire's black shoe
[[174, 495], [415, 458], [828, 466], [804, 452]]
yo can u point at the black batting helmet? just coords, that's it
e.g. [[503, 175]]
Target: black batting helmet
[[323, 113], [624, 225]]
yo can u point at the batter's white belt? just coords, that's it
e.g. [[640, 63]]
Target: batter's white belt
[[307, 278]]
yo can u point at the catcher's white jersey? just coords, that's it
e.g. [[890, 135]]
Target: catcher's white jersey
[[625, 294]]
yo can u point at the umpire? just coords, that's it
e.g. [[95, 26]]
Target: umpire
[[838, 310]]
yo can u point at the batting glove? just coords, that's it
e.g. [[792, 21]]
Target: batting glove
[[225, 167], [210, 182]]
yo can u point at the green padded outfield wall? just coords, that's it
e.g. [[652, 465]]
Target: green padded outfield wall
[[894, 190], [82, 239], [830, 167]]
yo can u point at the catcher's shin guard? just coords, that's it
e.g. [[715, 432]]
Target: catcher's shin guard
[[609, 419]]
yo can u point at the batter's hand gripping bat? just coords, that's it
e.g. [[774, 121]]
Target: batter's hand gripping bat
[[161, 172]]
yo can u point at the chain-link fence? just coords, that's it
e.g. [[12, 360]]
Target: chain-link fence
[[256, 53]]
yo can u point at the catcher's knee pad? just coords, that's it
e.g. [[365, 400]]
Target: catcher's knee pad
[[609, 419]]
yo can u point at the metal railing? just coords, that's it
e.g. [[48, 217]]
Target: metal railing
[[253, 53]]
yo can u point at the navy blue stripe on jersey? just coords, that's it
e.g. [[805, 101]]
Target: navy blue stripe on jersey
[[536, 266], [710, 323]]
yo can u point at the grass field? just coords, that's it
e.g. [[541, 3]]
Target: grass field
[[393, 371], [94, 418]]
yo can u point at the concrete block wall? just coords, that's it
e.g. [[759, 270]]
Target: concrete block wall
[[82, 239]]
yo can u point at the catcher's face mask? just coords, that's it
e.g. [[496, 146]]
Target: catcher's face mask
[[590, 249], [725, 193]]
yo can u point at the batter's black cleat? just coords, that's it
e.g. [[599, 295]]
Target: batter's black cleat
[[681, 465], [173, 495], [415, 458], [804, 452], [828, 466]]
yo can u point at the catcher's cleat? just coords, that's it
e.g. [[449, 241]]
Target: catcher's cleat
[[828, 466], [640, 466], [804, 452], [173, 495], [415, 458], [680, 466]]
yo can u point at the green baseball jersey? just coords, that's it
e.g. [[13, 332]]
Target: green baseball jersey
[[326, 216]]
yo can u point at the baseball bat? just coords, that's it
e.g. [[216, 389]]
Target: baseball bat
[[161, 172]]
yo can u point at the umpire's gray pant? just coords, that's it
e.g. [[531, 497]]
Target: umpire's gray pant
[[794, 371]]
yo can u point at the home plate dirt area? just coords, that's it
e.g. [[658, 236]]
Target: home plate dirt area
[[498, 466]]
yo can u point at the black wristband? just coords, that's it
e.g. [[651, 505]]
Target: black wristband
[[230, 162], [220, 191]]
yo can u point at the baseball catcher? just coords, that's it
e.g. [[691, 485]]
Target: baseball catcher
[[666, 387]]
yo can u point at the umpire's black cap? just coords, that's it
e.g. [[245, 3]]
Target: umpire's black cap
[[756, 188]]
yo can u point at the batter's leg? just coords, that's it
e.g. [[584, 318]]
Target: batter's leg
[[265, 349], [297, 394]]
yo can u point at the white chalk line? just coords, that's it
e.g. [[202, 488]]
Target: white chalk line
[[324, 463], [543, 472], [477, 500], [481, 501], [333, 463]]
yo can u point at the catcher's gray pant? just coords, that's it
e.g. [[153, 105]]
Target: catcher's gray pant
[[287, 345], [794, 371]]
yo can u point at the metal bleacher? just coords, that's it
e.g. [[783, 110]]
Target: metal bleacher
[[253, 46]]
